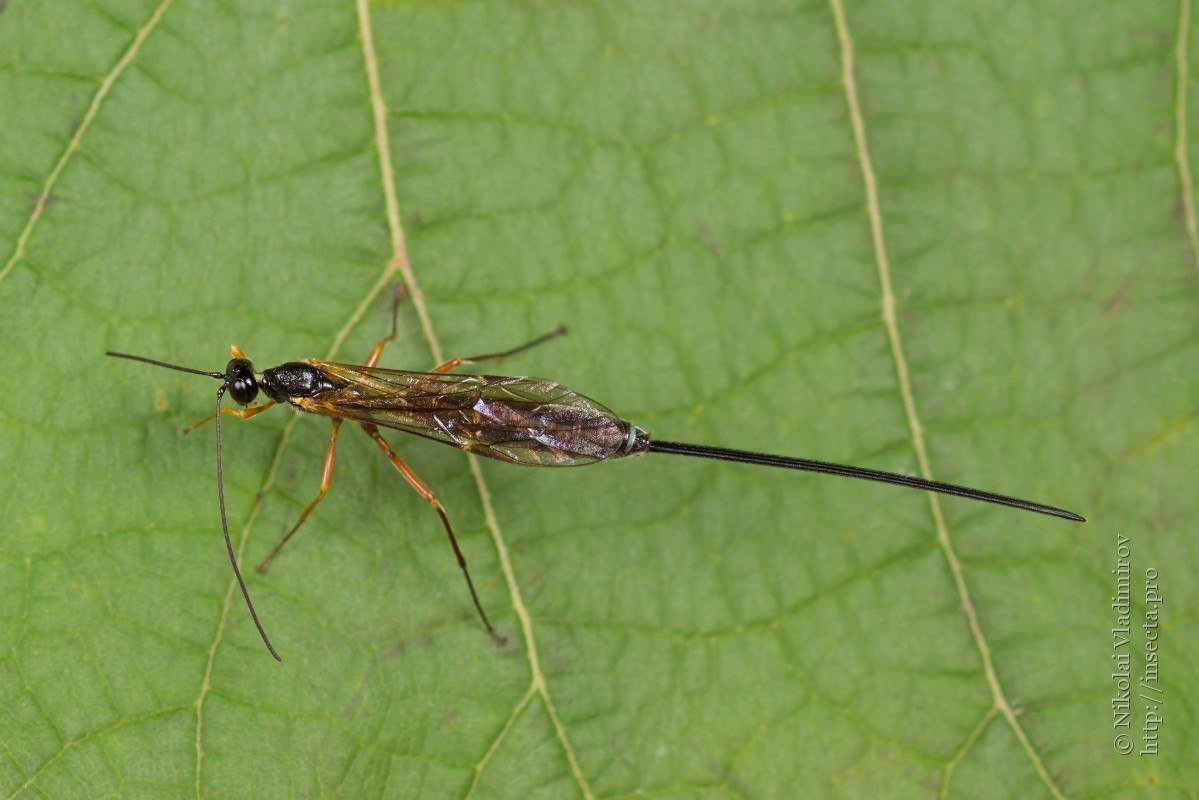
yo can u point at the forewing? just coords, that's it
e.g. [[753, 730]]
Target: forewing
[[520, 420]]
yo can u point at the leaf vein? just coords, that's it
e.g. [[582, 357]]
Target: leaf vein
[[517, 710], [401, 263], [1180, 126], [89, 737], [73, 145], [971, 740], [891, 323]]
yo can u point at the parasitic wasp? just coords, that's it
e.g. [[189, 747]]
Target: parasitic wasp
[[520, 420]]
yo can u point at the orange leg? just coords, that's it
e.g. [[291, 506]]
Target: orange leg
[[326, 479], [427, 493], [240, 413], [330, 454], [454, 363], [373, 358]]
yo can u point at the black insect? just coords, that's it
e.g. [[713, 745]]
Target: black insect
[[528, 421]]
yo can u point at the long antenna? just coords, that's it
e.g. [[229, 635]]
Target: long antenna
[[220, 490], [219, 376], [808, 465]]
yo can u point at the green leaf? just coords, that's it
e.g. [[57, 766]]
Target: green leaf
[[725, 202]]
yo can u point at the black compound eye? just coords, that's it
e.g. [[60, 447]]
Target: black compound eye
[[239, 377], [244, 392]]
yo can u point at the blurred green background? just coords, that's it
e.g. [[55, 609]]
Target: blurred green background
[[686, 185]]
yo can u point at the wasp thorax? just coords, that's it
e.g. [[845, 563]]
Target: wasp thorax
[[239, 377], [293, 380]]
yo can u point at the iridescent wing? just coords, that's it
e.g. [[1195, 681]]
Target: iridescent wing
[[520, 420]]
